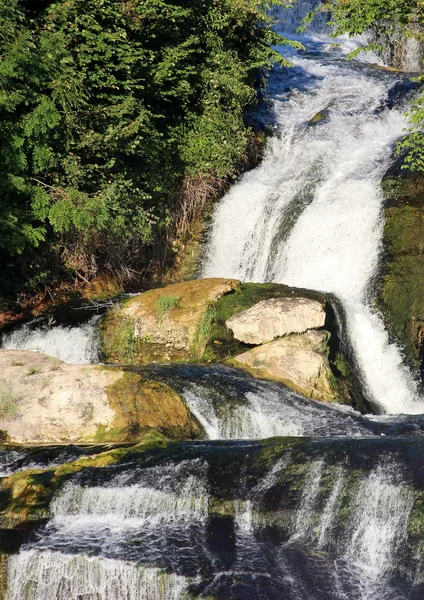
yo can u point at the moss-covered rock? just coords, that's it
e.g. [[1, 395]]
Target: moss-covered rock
[[163, 324], [44, 400], [401, 285], [189, 322]]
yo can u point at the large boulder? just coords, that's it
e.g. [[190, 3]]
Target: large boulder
[[163, 324], [300, 361], [276, 317], [216, 320], [44, 400]]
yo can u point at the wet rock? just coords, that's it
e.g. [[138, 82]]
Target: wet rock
[[44, 400], [320, 117], [401, 283], [276, 317], [299, 361]]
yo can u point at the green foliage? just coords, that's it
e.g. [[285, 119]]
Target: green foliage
[[105, 106], [125, 341], [165, 304]]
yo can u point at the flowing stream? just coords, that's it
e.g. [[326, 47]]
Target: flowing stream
[[315, 520], [311, 214], [285, 498]]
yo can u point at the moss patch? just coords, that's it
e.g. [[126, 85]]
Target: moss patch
[[401, 285], [141, 404]]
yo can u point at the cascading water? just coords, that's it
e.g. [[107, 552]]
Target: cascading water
[[333, 512], [76, 345], [312, 210], [227, 522], [232, 405]]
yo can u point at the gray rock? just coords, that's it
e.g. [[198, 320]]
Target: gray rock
[[276, 317]]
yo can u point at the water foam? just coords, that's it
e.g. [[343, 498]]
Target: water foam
[[77, 345], [312, 211], [48, 575]]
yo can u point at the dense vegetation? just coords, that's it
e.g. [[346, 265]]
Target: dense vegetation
[[117, 117]]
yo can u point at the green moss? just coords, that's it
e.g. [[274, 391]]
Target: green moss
[[204, 333], [341, 364], [119, 346], [109, 434], [416, 518], [401, 284], [141, 404]]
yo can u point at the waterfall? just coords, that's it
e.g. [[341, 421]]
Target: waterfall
[[222, 520], [53, 576], [332, 508], [76, 345], [312, 211], [232, 405], [377, 510]]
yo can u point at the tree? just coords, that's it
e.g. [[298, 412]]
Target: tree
[[105, 107]]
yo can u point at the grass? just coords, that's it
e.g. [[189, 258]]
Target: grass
[[165, 304], [125, 343], [33, 371], [9, 401], [204, 331]]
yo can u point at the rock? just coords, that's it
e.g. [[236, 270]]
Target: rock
[[163, 324], [299, 361], [319, 117], [43, 400], [276, 317], [188, 322], [401, 282]]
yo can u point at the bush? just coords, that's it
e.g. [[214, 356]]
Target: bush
[[105, 108]]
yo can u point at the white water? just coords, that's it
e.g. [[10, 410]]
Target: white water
[[378, 528], [268, 410], [75, 345], [257, 419], [134, 504], [117, 519], [377, 512], [47, 575], [311, 214]]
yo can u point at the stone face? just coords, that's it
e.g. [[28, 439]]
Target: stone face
[[194, 322], [275, 318], [296, 360], [43, 400]]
